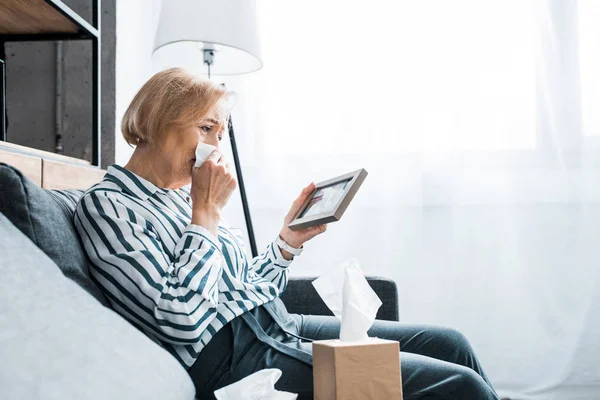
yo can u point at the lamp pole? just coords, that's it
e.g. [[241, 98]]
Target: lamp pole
[[209, 55]]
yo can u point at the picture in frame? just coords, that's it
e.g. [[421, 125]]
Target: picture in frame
[[329, 200]]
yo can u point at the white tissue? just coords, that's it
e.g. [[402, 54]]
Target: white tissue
[[258, 386], [203, 150], [347, 293]]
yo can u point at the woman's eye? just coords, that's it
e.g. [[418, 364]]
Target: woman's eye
[[220, 138], [206, 128]]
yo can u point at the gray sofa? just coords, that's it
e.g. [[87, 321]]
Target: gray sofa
[[59, 339]]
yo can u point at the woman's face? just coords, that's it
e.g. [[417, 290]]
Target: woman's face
[[179, 145]]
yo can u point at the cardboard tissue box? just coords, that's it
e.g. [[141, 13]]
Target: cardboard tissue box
[[365, 370], [355, 366]]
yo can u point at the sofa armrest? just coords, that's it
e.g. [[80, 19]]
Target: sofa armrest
[[300, 297]]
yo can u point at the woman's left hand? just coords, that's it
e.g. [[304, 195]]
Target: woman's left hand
[[297, 238]]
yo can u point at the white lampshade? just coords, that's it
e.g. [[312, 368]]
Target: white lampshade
[[187, 27]]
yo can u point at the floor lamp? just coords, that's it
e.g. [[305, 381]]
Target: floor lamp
[[217, 37]]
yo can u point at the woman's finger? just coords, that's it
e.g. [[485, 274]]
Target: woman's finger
[[215, 156], [316, 230], [230, 168], [300, 199], [303, 195], [308, 190]]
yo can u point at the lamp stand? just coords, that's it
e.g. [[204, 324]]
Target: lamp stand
[[209, 55], [240, 179]]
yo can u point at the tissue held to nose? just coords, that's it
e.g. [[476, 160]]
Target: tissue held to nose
[[203, 150], [349, 296]]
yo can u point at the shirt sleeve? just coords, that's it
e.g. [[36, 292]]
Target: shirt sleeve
[[173, 295], [272, 266]]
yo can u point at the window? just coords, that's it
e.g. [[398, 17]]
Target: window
[[382, 76], [588, 14]]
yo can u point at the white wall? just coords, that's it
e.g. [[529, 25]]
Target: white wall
[[136, 27]]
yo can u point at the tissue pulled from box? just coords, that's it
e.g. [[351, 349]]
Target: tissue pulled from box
[[258, 386], [349, 296]]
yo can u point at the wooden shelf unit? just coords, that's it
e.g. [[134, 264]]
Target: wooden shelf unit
[[49, 170], [39, 20], [18, 17]]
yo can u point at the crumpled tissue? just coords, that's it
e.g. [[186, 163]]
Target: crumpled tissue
[[347, 293], [203, 150], [258, 386]]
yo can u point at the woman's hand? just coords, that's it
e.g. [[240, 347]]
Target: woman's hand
[[212, 185], [297, 238]]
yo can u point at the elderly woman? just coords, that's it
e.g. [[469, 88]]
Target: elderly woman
[[153, 233]]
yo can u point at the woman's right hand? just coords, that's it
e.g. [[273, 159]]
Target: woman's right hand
[[212, 185]]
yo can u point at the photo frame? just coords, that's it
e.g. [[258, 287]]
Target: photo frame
[[329, 200]]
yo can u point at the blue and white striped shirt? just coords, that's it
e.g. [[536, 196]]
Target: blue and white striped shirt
[[175, 281]]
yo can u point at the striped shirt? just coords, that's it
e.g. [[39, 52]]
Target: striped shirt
[[175, 281]]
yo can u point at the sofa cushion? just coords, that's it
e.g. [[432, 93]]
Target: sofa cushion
[[45, 217], [57, 342]]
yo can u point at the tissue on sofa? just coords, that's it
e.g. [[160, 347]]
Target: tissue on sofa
[[258, 386]]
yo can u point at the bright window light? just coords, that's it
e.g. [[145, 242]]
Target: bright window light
[[588, 13], [387, 76]]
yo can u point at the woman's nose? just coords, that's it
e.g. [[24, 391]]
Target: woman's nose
[[212, 141]]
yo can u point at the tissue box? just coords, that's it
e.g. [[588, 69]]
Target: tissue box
[[363, 370]]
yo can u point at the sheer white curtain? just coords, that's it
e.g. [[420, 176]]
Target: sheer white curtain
[[479, 124]]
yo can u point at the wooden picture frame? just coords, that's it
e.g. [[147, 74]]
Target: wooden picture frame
[[329, 200]]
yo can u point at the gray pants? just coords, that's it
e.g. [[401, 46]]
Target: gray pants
[[436, 363]]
